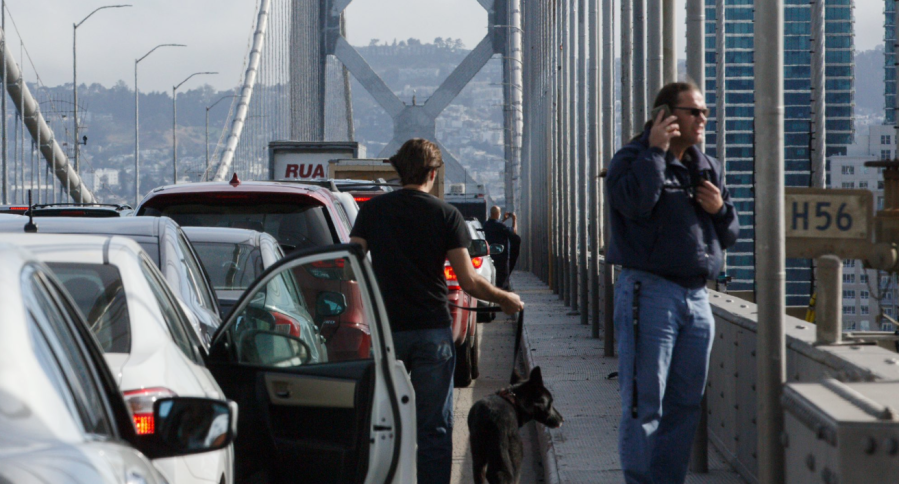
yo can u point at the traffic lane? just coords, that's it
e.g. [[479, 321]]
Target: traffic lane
[[497, 344]]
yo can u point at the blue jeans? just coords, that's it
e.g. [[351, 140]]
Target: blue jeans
[[430, 358], [675, 335]]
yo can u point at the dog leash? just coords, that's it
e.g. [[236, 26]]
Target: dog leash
[[518, 331]]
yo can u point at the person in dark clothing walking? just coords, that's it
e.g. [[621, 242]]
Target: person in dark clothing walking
[[496, 232], [671, 219], [411, 234]]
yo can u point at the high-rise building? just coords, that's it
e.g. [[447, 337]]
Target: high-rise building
[[739, 108], [867, 293], [889, 53]]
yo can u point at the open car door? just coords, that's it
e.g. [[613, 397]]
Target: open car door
[[303, 418]]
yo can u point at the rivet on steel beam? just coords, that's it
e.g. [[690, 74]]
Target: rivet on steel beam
[[810, 462], [891, 445], [870, 446]]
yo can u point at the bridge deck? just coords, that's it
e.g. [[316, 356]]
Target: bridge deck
[[585, 448]]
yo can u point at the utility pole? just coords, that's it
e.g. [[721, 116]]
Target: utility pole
[[175, 123], [75, 75], [137, 123]]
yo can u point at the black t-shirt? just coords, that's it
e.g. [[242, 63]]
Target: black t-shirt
[[409, 233]]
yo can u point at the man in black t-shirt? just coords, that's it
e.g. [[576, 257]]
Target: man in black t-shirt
[[410, 234], [496, 232]]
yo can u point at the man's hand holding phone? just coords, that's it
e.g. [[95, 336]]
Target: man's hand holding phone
[[664, 128]]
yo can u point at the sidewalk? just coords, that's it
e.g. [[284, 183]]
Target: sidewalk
[[585, 448]]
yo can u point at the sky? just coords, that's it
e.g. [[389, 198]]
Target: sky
[[217, 35]]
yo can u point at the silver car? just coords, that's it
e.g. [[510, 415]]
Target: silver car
[[63, 419]]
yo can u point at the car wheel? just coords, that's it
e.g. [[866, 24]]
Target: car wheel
[[462, 376], [476, 353]]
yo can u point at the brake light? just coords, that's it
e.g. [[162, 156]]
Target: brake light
[[361, 199], [450, 274], [140, 402], [18, 208], [229, 196], [285, 324], [329, 264], [477, 262]]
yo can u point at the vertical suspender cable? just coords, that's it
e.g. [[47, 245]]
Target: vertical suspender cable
[[669, 42], [572, 147], [582, 160], [653, 49], [769, 209], [627, 67], [565, 142], [608, 108], [639, 63], [596, 123]]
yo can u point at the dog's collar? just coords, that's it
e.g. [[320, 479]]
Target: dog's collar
[[508, 395]]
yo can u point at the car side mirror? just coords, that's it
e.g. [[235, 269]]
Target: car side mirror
[[497, 248], [479, 248], [330, 304], [186, 425]]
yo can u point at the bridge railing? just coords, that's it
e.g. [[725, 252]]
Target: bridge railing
[[731, 391]]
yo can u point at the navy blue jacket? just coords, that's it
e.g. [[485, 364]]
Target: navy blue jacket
[[656, 225]]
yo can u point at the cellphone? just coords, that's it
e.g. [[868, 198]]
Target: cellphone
[[663, 108]]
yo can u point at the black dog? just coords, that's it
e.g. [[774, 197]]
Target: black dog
[[493, 423]]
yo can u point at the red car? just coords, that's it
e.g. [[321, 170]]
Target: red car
[[465, 323], [299, 217]]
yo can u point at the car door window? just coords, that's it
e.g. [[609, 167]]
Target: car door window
[[195, 274], [174, 319], [54, 316], [306, 314]]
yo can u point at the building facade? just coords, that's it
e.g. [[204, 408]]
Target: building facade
[[739, 113], [866, 291]]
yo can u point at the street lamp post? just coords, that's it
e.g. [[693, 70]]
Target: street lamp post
[[206, 173], [175, 123], [75, 73], [137, 123]]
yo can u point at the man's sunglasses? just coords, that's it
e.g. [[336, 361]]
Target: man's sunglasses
[[695, 112]]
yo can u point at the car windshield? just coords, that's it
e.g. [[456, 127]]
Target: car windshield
[[97, 290], [230, 266], [299, 226]]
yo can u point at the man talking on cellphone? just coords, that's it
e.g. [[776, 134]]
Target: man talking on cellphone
[[671, 219]]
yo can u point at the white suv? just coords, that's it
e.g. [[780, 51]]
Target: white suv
[[146, 338]]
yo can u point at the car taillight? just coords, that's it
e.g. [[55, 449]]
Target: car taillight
[[285, 324], [332, 269], [329, 264], [450, 274], [141, 404], [361, 199], [477, 262]]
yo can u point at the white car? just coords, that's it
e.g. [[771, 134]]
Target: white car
[[147, 339], [63, 419]]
